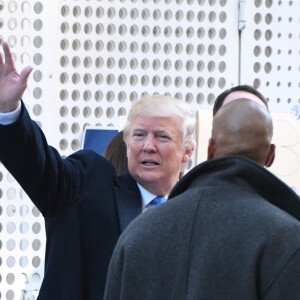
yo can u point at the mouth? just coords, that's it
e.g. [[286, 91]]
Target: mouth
[[150, 163]]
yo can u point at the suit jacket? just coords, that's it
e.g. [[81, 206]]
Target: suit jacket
[[230, 230], [84, 204]]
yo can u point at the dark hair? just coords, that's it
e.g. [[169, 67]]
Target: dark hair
[[244, 88], [116, 153]]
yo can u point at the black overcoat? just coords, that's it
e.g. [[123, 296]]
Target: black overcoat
[[84, 204]]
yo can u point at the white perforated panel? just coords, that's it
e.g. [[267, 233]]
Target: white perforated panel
[[92, 58]]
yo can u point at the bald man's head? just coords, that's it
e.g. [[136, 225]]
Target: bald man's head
[[242, 128]]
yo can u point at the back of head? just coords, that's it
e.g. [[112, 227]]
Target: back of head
[[164, 106], [116, 152], [242, 128], [239, 88]]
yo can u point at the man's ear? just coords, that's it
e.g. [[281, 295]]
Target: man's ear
[[271, 156], [211, 148]]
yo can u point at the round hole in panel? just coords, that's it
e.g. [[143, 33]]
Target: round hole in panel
[[221, 82], [189, 81], [23, 261], [178, 81], [133, 80], [75, 145], [87, 45], [178, 65], [167, 31], [133, 47], [12, 23], [87, 78], [63, 128], [122, 13], [98, 112], [222, 50], [156, 64], [111, 46], [122, 79], [98, 96], [201, 33], [178, 96], [63, 144], [36, 244], [122, 29], [200, 82], [75, 128], [12, 6], [88, 28], [37, 93], [37, 76], [10, 245], [168, 15], [122, 63], [268, 67], [145, 30], [145, 64], [111, 12], [76, 61], [10, 210], [36, 261], [145, 14], [75, 95], [189, 98], [167, 64], [189, 49], [99, 12], [189, 65], [223, 17], [63, 111], [190, 32], [145, 47], [11, 193], [110, 112], [145, 80], [76, 78], [64, 44], [222, 67], [111, 29], [64, 61], [23, 228], [167, 81], [133, 96], [88, 11], [256, 67], [122, 47], [23, 245], [211, 33], [86, 112], [10, 279], [268, 35]]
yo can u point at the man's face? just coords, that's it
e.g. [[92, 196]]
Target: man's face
[[155, 152]]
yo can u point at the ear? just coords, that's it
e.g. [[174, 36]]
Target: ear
[[211, 148], [187, 154], [271, 156]]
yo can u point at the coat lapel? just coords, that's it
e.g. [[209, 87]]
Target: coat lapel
[[128, 199]]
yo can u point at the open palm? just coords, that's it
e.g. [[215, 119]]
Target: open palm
[[12, 84]]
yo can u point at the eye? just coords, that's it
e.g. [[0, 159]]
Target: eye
[[138, 135]]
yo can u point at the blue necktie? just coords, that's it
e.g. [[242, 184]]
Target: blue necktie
[[156, 201]]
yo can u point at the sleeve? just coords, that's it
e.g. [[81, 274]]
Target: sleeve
[[52, 182]]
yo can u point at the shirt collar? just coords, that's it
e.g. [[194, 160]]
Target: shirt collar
[[146, 195]]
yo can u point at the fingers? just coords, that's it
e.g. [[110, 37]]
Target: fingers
[[24, 75], [7, 54]]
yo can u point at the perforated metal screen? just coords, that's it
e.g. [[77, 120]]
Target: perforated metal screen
[[92, 58]]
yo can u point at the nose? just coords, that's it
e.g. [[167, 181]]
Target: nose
[[149, 145]]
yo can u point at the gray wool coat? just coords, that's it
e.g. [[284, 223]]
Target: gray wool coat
[[229, 231]]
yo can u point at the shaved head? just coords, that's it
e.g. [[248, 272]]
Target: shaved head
[[242, 128]]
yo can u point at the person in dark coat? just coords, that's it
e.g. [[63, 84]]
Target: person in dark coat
[[85, 204], [230, 229]]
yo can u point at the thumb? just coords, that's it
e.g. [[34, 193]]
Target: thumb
[[24, 75]]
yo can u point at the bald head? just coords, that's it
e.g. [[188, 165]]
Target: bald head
[[242, 128]]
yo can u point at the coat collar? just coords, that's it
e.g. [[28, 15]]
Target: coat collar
[[241, 171], [128, 198]]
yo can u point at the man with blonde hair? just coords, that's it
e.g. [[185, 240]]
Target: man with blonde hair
[[85, 204]]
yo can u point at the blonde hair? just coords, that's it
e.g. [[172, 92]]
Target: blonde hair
[[164, 106]]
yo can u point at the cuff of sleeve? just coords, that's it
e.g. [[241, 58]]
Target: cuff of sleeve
[[10, 117]]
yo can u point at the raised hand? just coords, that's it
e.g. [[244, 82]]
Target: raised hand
[[12, 84]]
